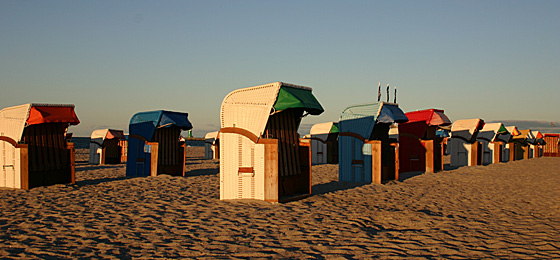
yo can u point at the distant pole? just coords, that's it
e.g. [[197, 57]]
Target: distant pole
[[395, 95], [387, 92], [379, 92]]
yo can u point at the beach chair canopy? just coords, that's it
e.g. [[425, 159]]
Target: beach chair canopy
[[322, 130], [419, 121], [211, 135], [538, 137], [513, 130], [14, 119], [530, 137], [361, 119], [553, 136], [492, 132], [99, 135], [249, 108], [467, 129], [145, 124], [523, 137], [432, 117]]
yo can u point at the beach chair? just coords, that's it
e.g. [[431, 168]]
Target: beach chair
[[211, 146], [105, 146], [535, 148], [261, 154], [324, 143], [33, 148], [123, 144], [551, 147], [366, 153], [521, 144], [154, 145], [464, 149], [510, 146], [492, 138], [420, 149]]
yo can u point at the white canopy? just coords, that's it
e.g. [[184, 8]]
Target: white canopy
[[490, 131], [211, 135], [466, 128]]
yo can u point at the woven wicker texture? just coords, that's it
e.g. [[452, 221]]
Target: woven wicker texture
[[249, 109], [12, 121]]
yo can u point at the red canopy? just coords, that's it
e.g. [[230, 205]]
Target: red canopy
[[430, 116], [52, 114], [115, 134], [552, 135]]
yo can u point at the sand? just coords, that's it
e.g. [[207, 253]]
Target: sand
[[509, 210]]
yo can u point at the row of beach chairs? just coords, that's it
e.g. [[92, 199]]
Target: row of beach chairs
[[261, 154]]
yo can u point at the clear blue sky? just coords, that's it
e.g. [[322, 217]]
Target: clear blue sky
[[497, 60]]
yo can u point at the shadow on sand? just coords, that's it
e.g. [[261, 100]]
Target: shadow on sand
[[96, 167], [202, 172], [98, 181], [334, 186]]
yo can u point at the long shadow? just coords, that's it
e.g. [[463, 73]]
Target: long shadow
[[334, 186], [98, 167], [202, 172], [98, 181], [407, 175], [448, 167]]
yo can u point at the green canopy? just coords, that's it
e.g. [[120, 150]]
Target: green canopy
[[502, 130], [289, 97], [334, 128]]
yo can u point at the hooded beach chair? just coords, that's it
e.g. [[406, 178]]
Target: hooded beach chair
[[463, 144], [420, 149], [324, 143], [492, 138], [365, 151], [211, 146], [33, 148], [154, 145], [551, 147], [521, 145], [535, 147], [261, 154], [105, 146], [510, 146]]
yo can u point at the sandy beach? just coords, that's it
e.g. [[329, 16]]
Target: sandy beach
[[508, 211]]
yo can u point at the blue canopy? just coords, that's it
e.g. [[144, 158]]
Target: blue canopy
[[442, 133], [145, 123], [391, 113], [360, 119]]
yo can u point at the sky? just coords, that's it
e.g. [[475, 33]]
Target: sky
[[495, 60]]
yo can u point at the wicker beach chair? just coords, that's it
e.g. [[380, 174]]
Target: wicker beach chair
[[34, 151], [261, 154], [323, 138], [521, 145], [106, 147], [420, 149], [492, 138], [211, 146], [366, 153], [551, 147], [463, 144], [154, 145]]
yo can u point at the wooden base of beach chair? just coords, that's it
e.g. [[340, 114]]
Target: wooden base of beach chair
[[434, 155], [384, 161], [50, 160], [497, 152]]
